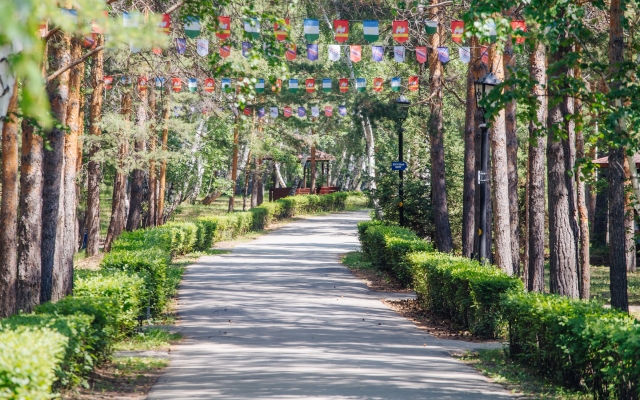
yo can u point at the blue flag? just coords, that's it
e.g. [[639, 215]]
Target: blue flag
[[342, 110], [261, 113], [181, 45], [312, 52], [246, 46], [301, 112], [377, 53]]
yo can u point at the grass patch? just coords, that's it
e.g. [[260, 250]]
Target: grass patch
[[516, 377], [356, 260], [600, 285], [149, 339]]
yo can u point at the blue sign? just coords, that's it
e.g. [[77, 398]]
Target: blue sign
[[398, 166]]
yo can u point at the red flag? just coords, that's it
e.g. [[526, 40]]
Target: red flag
[[421, 54], [287, 111], [518, 26], [457, 30], [400, 31], [224, 27], [278, 86], [292, 51], [310, 85], [225, 51], [344, 85], [377, 84], [341, 30], [328, 111], [108, 82], [157, 50], [176, 84], [165, 24], [355, 53], [142, 83], [247, 111], [89, 41], [484, 54], [414, 83], [281, 31], [209, 85]]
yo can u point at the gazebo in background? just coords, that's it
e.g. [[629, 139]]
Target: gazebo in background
[[323, 160]]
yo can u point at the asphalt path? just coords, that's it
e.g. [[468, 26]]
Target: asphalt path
[[280, 318]]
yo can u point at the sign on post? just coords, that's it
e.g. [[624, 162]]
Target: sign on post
[[398, 166]]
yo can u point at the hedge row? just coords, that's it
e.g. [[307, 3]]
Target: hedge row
[[578, 344], [60, 343]]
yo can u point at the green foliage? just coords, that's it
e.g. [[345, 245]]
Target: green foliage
[[206, 233], [462, 290], [149, 339], [579, 344], [28, 358]]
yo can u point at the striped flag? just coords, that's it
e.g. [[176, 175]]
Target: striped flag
[[191, 26], [311, 30], [224, 27], [371, 31], [260, 86], [193, 84], [361, 84], [226, 84], [326, 85], [252, 28], [328, 111], [395, 83], [293, 85], [421, 54]]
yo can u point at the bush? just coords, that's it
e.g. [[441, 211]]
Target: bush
[[28, 358], [576, 343], [206, 233], [462, 290], [151, 265], [126, 290]]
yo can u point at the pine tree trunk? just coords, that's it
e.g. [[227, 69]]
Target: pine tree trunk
[[9, 208], [93, 169], [245, 193], [443, 239], [512, 163], [629, 220], [137, 182], [118, 216], [469, 188], [313, 173], [234, 165], [163, 166], [501, 221], [53, 189], [153, 178], [584, 281]]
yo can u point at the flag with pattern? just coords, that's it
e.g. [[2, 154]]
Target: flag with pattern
[[341, 30], [311, 30], [224, 28], [355, 53], [371, 30], [377, 53]]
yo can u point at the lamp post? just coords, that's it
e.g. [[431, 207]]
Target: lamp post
[[483, 87], [403, 110]]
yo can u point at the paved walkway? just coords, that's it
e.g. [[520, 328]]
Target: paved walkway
[[281, 318]]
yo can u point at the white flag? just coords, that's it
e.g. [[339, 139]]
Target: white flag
[[315, 111], [334, 52], [398, 53], [465, 54], [202, 46], [273, 112]]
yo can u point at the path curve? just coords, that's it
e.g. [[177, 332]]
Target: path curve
[[281, 318]]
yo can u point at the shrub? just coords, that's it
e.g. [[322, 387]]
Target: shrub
[[206, 232], [127, 290], [462, 290], [576, 343], [150, 264], [28, 358]]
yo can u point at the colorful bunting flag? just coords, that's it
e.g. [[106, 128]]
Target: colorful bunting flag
[[202, 47], [311, 30], [377, 84], [344, 85], [315, 111], [125, 81], [312, 52], [457, 30], [519, 27], [287, 111], [293, 85], [398, 54], [273, 112], [176, 84], [260, 113], [246, 48], [326, 85], [181, 45], [260, 86], [278, 87], [193, 84], [89, 41], [342, 110], [164, 25], [492, 31], [226, 84], [355, 53], [282, 31], [224, 28], [291, 52], [252, 28], [371, 32], [414, 83], [377, 53], [334, 52], [421, 54], [225, 51], [465, 54], [191, 26], [396, 83], [310, 85], [443, 54], [400, 31], [142, 83], [484, 54], [328, 111], [301, 112], [361, 84], [341, 30], [247, 111], [160, 83], [209, 85], [431, 27]]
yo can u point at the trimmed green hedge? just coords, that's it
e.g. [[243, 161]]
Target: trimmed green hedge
[[28, 358]]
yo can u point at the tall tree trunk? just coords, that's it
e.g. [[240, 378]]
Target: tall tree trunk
[[512, 162], [234, 164], [137, 182], [469, 188], [591, 192], [53, 194], [93, 169], [618, 245], [501, 221], [9, 208], [629, 220], [584, 281], [163, 166], [7, 79], [313, 173], [245, 194], [153, 177], [443, 239], [118, 217], [281, 182], [601, 215]]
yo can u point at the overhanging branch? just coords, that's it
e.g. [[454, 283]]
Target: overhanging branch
[[74, 63]]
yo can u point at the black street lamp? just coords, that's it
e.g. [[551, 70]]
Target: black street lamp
[[403, 110], [483, 87]]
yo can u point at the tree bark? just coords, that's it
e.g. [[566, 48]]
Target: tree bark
[[584, 281], [53, 189], [153, 176], [137, 182], [118, 217], [9, 209], [629, 220], [601, 215], [245, 193], [502, 220], [163, 165], [469, 188], [443, 239], [93, 169], [313, 173], [234, 164]]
